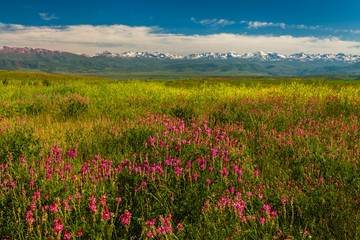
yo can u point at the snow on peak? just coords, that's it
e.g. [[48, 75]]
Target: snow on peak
[[257, 56]]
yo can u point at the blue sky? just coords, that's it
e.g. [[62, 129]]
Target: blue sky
[[183, 27]]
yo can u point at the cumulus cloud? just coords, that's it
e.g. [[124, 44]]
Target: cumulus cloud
[[213, 22], [47, 16], [92, 39]]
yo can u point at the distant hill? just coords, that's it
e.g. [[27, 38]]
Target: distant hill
[[164, 65]]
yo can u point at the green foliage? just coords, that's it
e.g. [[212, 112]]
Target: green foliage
[[240, 158], [16, 138], [73, 105]]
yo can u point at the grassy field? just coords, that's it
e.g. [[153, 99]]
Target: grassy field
[[92, 158]]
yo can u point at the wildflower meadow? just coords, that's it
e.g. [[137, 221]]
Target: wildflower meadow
[[91, 158]]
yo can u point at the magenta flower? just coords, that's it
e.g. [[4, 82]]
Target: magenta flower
[[149, 234], [78, 196], [58, 226], [92, 205], [137, 189], [67, 235], [32, 207], [106, 214], [151, 223], [180, 227], [213, 152], [160, 230], [71, 153], [66, 205], [79, 234], [29, 217], [54, 207], [262, 220], [125, 218], [267, 208], [166, 224], [103, 199], [188, 163], [37, 194]]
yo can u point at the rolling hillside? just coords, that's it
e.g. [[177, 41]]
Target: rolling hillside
[[147, 66]]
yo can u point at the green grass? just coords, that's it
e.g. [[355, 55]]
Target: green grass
[[190, 158]]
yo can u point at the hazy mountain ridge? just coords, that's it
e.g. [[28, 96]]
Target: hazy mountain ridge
[[164, 65], [261, 56]]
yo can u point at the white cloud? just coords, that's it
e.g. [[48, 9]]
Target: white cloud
[[47, 16], [302, 26], [257, 24], [91, 39], [214, 22], [347, 31]]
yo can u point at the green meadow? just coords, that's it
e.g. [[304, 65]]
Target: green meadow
[[95, 158]]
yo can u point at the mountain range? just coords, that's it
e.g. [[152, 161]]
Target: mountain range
[[164, 65], [257, 56]]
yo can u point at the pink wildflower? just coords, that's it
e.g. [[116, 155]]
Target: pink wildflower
[[92, 205], [29, 217], [151, 223], [54, 207], [79, 234], [213, 152], [149, 234], [67, 235], [58, 226], [66, 205], [180, 227], [78, 196], [125, 218], [267, 208], [106, 214]]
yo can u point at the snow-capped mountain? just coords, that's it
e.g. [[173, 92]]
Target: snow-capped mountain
[[198, 64], [257, 56], [254, 57], [129, 54]]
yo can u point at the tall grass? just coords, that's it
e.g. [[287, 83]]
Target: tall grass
[[93, 159]]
